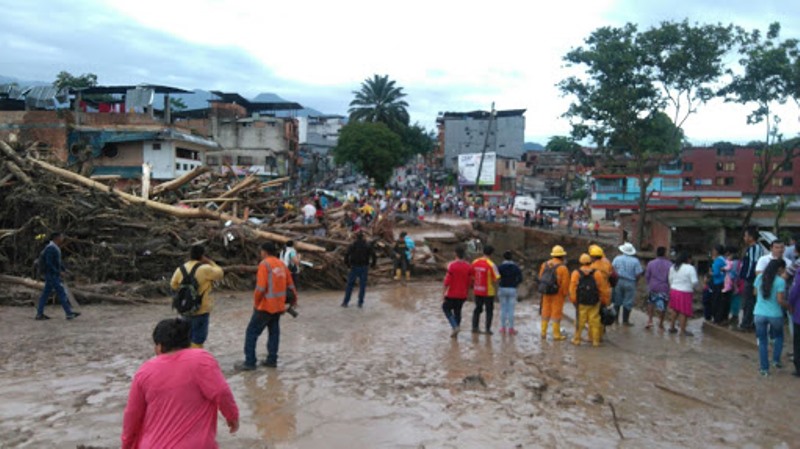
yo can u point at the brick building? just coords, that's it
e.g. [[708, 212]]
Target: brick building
[[733, 169]]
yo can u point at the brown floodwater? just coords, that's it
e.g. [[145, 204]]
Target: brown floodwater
[[389, 376]]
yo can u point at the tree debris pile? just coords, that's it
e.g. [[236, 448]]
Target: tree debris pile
[[124, 245]]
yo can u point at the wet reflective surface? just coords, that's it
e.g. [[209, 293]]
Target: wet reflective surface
[[389, 376]]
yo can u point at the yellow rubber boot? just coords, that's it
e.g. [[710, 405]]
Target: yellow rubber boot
[[397, 273], [557, 332], [544, 329]]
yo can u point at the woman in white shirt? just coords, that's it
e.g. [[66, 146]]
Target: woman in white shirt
[[682, 283]]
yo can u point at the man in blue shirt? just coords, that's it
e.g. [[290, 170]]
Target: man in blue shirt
[[719, 306], [50, 265], [628, 268]]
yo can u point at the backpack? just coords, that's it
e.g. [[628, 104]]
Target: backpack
[[548, 281], [588, 294], [188, 297]]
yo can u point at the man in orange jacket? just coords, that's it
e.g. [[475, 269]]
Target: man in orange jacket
[[588, 295], [553, 303], [274, 288]]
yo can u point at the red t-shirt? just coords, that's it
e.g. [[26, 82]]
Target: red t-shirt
[[458, 279], [174, 400]]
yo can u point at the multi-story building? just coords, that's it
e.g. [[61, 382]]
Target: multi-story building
[[470, 132], [734, 169], [317, 136]]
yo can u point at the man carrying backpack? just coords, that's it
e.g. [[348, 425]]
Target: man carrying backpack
[[193, 281], [588, 290], [554, 287]]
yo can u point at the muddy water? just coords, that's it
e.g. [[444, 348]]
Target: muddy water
[[388, 376]]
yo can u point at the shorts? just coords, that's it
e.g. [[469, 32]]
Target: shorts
[[659, 300]]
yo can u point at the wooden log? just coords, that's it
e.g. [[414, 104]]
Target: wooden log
[[175, 211], [179, 181], [82, 294], [105, 177], [18, 173], [209, 200], [11, 154], [249, 181]]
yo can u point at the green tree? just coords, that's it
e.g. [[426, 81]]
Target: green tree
[[66, 79], [177, 104], [371, 147], [416, 140], [630, 79], [770, 77], [380, 101]]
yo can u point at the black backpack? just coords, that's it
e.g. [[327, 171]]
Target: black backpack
[[188, 297], [548, 281], [588, 294]]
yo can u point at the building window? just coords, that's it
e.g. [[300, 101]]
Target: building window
[[787, 181], [671, 183], [177, 166], [687, 181], [156, 146], [729, 166], [227, 160], [688, 166], [724, 181], [720, 181], [729, 181], [110, 150], [185, 166], [212, 160], [756, 168], [781, 182], [787, 166], [244, 160]]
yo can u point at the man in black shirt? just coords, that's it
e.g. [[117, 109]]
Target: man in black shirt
[[358, 257]]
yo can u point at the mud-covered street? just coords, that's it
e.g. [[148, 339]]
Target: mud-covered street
[[389, 376]]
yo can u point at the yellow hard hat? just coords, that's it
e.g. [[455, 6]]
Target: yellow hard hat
[[595, 251], [585, 259], [558, 251]]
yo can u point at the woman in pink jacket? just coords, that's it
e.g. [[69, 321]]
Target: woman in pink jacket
[[175, 396]]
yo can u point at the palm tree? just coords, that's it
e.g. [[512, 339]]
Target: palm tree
[[380, 101]]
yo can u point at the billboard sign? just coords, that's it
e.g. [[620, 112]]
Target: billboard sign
[[468, 169]]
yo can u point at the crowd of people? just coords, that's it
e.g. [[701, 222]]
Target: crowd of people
[[175, 397]]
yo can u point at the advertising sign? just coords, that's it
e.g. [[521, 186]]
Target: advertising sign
[[468, 169]]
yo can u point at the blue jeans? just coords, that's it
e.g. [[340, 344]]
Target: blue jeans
[[452, 311], [258, 321], [766, 328], [361, 274], [199, 328], [53, 283], [508, 301], [624, 294]]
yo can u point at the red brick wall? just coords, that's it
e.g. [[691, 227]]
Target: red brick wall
[[704, 166]]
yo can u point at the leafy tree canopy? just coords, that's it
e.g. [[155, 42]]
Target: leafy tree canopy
[[66, 79], [371, 147], [380, 101], [416, 140]]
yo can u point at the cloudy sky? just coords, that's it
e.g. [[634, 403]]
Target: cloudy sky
[[448, 55]]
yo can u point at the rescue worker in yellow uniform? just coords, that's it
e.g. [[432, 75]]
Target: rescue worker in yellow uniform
[[589, 295], [553, 304], [274, 288], [601, 263]]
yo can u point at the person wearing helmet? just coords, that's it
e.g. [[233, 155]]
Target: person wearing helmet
[[553, 299], [588, 290]]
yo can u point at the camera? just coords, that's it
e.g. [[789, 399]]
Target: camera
[[292, 312]]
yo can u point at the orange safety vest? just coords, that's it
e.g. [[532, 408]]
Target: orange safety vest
[[272, 281]]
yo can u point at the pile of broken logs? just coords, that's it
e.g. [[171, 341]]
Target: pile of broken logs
[[124, 244]]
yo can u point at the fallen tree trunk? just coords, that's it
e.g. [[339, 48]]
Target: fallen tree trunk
[[18, 173], [83, 295], [178, 182], [175, 211]]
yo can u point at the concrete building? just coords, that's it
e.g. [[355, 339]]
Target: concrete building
[[317, 137], [468, 132], [734, 169]]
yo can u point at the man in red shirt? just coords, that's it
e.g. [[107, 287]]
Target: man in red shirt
[[175, 396], [456, 289], [485, 275]]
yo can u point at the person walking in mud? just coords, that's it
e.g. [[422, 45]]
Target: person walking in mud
[[682, 284], [588, 290], [657, 276], [359, 256], [403, 253], [485, 277], [457, 282], [510, 278], [629, 269], [50, 264], [205, 272], [274, 289], [752, 255], [554, 287], [176, 395]]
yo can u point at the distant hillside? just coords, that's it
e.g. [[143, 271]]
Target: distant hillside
[[22, 83], [533, 146], [268, 97]]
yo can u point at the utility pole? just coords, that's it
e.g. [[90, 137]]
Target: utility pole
[[485, 145]]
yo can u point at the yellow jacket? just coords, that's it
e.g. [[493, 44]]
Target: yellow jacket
[[205, 275], [562, 274], [603, 287], [602, 265]]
